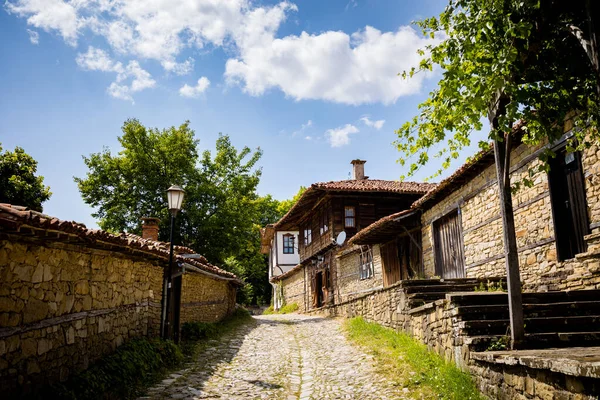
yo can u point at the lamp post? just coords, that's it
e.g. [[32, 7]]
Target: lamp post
[[175, 198]]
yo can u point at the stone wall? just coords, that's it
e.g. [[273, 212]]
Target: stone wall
[[481, 223], [349, 284], [552, 378], [205, 299], [294, 287], [63, 306], [386, 307]]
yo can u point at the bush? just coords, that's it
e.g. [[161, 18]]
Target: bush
[[197, 330], [122, 374]]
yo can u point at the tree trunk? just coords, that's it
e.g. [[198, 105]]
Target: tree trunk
[[502, 158]]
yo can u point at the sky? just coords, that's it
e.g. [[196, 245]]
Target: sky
[[314, 84]]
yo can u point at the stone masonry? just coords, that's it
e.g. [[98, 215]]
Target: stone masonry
[[349, 283], [204, 299], [63, 306], [481, 223]]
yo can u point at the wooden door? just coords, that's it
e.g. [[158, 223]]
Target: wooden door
[[449, 255], [569, 206], [390, 263]]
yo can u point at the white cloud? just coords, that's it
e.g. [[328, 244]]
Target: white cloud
[[98, 60], [308, 138], [195, 91], [303, 127], [340, 136], [334, 66], [373, 124], [183, 68], [34, 37]]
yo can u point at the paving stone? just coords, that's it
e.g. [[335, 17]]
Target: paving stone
[[281, 357]]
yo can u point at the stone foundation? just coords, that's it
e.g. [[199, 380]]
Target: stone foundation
[[539, 375]]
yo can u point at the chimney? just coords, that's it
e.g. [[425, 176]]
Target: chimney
[[358, 169], [150, 228]]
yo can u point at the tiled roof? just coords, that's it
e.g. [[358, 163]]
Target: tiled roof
[[316, 190], [375, 185], [13, 218]]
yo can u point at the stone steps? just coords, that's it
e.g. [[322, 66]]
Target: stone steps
[[560, 324], [500, 311], [539, 340]]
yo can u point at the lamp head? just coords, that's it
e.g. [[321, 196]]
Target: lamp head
[[175, 196]]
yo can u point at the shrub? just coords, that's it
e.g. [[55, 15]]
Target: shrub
[[197, 330], [121, 374]]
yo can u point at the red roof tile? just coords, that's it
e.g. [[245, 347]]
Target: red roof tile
[[375, 185], [14, 217]]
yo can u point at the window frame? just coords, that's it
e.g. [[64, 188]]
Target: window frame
[[351, 217], [307, 233], [365, 269], [290, 243], [323, 222]]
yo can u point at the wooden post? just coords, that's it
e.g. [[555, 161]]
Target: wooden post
[[513, 278]]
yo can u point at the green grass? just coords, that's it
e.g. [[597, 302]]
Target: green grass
[[287, 309], [410, 364]]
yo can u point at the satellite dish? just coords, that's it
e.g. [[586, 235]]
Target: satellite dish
[[341, 238]]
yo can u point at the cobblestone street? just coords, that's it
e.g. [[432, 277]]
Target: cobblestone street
[[281, 357]]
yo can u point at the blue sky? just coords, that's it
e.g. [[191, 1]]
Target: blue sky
[[312, 83]]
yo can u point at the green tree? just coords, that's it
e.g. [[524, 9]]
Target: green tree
[[509, 60], [19, 184], [528, 60], [220, 188]]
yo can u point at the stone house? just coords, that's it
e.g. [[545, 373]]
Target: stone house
[[457, 227], [454, 230], [69, 294], [326, 216]]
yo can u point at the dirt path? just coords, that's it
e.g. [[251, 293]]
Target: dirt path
[[281, 357]]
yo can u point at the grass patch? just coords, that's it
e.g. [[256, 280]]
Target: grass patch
[[287, 309], [126, 373], [410, 364]]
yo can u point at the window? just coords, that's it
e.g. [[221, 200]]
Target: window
[[349, 217], [288, 243], [366, 263], [569, 208], [323, 223], [449, 257], [307, 237]]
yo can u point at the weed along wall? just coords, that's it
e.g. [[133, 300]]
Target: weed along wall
[[70, 295]]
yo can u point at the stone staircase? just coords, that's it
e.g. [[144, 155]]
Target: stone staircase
[[552, 319], [421, 291]]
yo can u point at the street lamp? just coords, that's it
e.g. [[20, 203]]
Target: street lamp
[[175, 198]]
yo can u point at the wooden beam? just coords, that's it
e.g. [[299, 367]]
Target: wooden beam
[[502, 157]]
